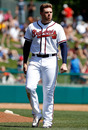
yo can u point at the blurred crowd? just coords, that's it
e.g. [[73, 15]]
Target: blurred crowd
[[13, 29], [76, 30]]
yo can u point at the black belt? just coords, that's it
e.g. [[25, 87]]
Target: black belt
[[44, 55]]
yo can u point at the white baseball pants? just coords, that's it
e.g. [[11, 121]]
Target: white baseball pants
[[47, 69]]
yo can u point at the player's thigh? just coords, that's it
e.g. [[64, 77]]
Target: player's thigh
[[50, 72], [33, 76]]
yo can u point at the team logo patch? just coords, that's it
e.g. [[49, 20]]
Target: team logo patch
[[47, 33]]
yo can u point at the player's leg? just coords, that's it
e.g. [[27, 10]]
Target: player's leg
[[49, 75], [33, 76]]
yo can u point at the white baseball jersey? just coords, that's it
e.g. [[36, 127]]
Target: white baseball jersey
[[45, 38]]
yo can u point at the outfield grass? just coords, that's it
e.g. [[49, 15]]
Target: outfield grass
[[63, 120]]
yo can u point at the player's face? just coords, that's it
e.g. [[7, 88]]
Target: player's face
[[46, 15]]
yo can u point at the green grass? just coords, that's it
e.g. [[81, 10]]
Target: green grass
[[11, 64], [63, 120]]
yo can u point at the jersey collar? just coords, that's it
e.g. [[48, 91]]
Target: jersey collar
[[46, 25]]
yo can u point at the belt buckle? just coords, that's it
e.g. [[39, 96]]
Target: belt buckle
[[50, 55]]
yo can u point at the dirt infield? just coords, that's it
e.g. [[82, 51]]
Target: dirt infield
[[62, 107], [5, 117]]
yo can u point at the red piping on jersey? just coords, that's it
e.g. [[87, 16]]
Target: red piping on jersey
[[45, 36], [50, 25], [41, 37], [54, 86], [61, 41], [45, 39], [45, 46]]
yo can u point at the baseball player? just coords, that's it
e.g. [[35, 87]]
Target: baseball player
[[42, 39]]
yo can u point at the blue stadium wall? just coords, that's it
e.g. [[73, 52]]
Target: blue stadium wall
[[63, 95]]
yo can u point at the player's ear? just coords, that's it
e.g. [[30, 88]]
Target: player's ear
[[40, 13]]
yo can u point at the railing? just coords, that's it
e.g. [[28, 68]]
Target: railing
[[64, 78], [72, 78]]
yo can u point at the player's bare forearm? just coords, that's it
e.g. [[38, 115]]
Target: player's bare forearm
[[25, 68]]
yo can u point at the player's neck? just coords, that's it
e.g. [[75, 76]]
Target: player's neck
[[45, 22]]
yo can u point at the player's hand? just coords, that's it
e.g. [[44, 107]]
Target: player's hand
[[25, 68], [63, 68]]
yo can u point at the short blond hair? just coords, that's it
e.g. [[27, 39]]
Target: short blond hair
[[45, 5]]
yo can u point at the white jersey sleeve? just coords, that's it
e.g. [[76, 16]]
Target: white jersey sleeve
[[28, 34], [61, 37]]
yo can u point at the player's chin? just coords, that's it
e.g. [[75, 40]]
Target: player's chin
[[48, 19]]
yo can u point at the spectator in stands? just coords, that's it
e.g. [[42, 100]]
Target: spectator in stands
[[7, 77], [81, 28], [14, 22], [21, 40], [85, 36], [8, 15], [20, 63], [67, 12], [20, 11], [70, 33], [79, 18], [5, 50], [3, 55], [4, 58], [1, 16], [14, 33], [5, 35], [13, 54], [31, 8], [2, 26], [85, 70], [21, 79], [78, 50], [85, 49], [2, 70], [75, 67]]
